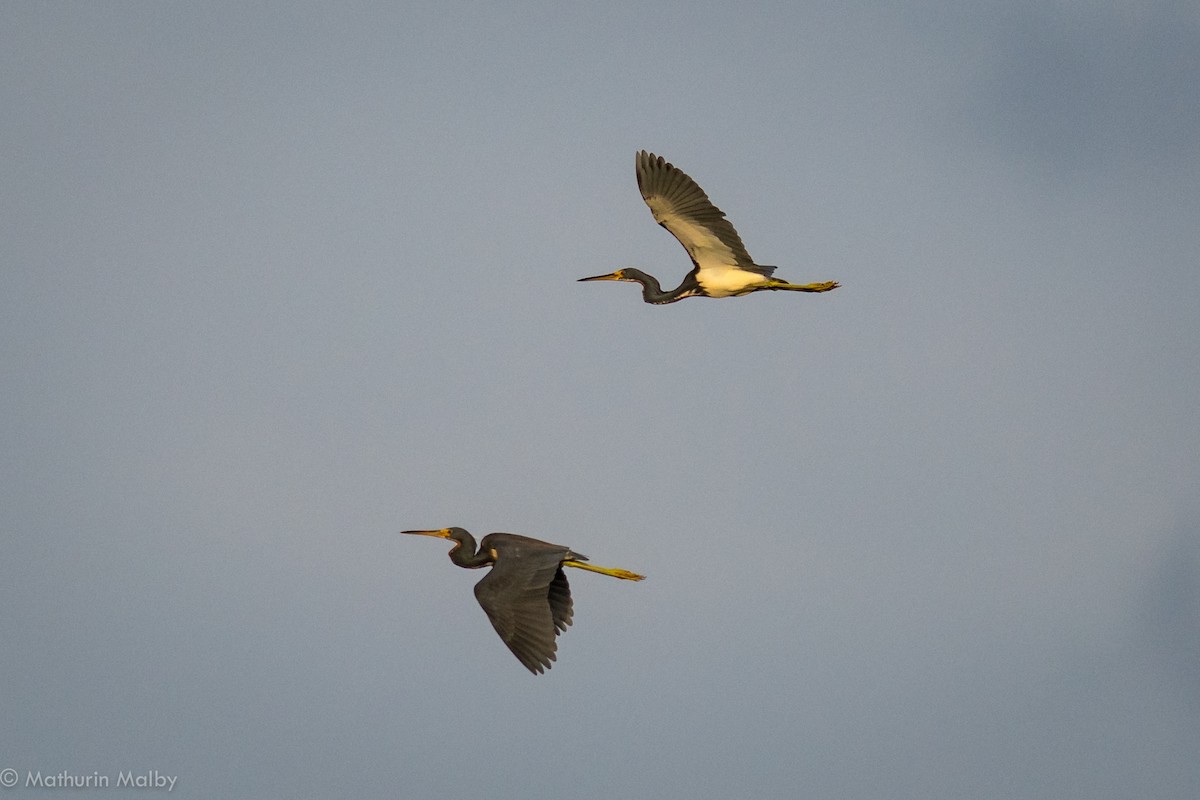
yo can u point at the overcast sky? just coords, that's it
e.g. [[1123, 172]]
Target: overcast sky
[[280, 280]]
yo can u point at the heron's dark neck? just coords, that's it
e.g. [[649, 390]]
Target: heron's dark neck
[[463, 553], [652, 291]]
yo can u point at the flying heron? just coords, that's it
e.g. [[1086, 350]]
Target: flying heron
[[525, 594], [723, 268]]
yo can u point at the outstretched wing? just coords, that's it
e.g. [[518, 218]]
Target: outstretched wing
[[681, 206], [528, 602]]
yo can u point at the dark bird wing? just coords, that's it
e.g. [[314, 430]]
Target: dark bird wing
[[528, 600], [561, 607], [681, 206]]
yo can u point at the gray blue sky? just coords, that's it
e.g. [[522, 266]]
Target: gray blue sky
[[280, 280]]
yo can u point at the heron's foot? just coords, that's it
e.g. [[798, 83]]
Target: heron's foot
[[822, 287], [626, 575]]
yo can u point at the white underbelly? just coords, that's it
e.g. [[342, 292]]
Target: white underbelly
[[726, 282]]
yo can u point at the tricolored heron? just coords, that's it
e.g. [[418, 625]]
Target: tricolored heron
[[723, 268], [525, 594]]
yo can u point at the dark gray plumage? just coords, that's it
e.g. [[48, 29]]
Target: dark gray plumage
[[525, 595]]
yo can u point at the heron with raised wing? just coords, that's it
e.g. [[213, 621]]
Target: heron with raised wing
[[525, 594], [722, 267]]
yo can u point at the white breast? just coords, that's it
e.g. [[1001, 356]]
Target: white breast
[[726, 281]]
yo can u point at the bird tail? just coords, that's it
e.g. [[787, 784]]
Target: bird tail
[[623, 574], [802, 287]]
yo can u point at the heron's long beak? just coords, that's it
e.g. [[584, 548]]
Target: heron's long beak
[[441, 533], [612, 276]]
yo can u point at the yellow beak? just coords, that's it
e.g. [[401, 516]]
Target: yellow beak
[[612, 276], [441, 533]]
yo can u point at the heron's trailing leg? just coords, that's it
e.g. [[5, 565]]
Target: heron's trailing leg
[[623, 574], [805, 287]]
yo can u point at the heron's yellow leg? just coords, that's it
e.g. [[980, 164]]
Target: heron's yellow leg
[[623, 574], [805, 287]]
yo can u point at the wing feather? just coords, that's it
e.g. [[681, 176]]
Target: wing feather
[[681, 206], [561, 607], [528, 601]]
